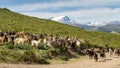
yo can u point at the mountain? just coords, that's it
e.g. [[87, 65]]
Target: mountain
[[86, 27], [99, 24], [110, 27], [114, 23], [10, 20], [67, 20], [62, 19], [94, 26], [96, 23]]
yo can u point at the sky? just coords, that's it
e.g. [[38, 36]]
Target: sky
[[82, 11]]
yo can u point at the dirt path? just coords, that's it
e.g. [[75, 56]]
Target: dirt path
[[113, 62]]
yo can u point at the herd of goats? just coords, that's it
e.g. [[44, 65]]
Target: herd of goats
[[20, 38]]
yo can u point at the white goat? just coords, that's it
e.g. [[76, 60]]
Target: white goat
[[78, 44], [19, 41], [35, 42]]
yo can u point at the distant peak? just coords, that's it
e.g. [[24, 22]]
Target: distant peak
[[62, 19], [96, 24]]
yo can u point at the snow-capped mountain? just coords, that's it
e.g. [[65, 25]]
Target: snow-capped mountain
[[110, 27], [95, 26], [114, 23], [62, 19], [96, 23], [103, 23]]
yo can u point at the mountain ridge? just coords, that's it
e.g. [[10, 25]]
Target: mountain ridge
[[94, 26], [110, 27]]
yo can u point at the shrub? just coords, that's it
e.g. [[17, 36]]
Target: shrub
[[56, 52], [85, 45], [10, 46], [43, 61], [16, 57], [64, 58], [23, 47], [31, 57], [63, 49], [3, 55], [44, 46]]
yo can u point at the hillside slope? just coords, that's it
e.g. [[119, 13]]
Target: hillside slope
[[15, 21]]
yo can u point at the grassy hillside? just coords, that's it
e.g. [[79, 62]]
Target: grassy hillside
[[15, 21]]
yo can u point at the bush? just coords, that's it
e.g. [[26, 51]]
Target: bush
[[56, 51], [64, 58], [44, 46], [9, 56], [16, 57], [85, 45], [43, 61], [23, 47], [10, 46], [63, 49], [30, 57], [4, 55]]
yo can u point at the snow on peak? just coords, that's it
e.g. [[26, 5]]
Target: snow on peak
[[62, 19], [96, 24]]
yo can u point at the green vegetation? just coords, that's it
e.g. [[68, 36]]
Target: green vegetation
[[26, 54], [64, 58], [18, 54]]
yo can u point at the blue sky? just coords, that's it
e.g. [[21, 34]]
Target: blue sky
[[82, 11]]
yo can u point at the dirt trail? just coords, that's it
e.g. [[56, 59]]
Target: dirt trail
[[113, 62]]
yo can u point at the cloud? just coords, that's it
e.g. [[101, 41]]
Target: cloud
[[94, 10], [96, 14], [66, 3]]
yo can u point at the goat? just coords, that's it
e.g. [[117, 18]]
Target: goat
[[35, 42], [78, 44], [2, 39], [19, 41]]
